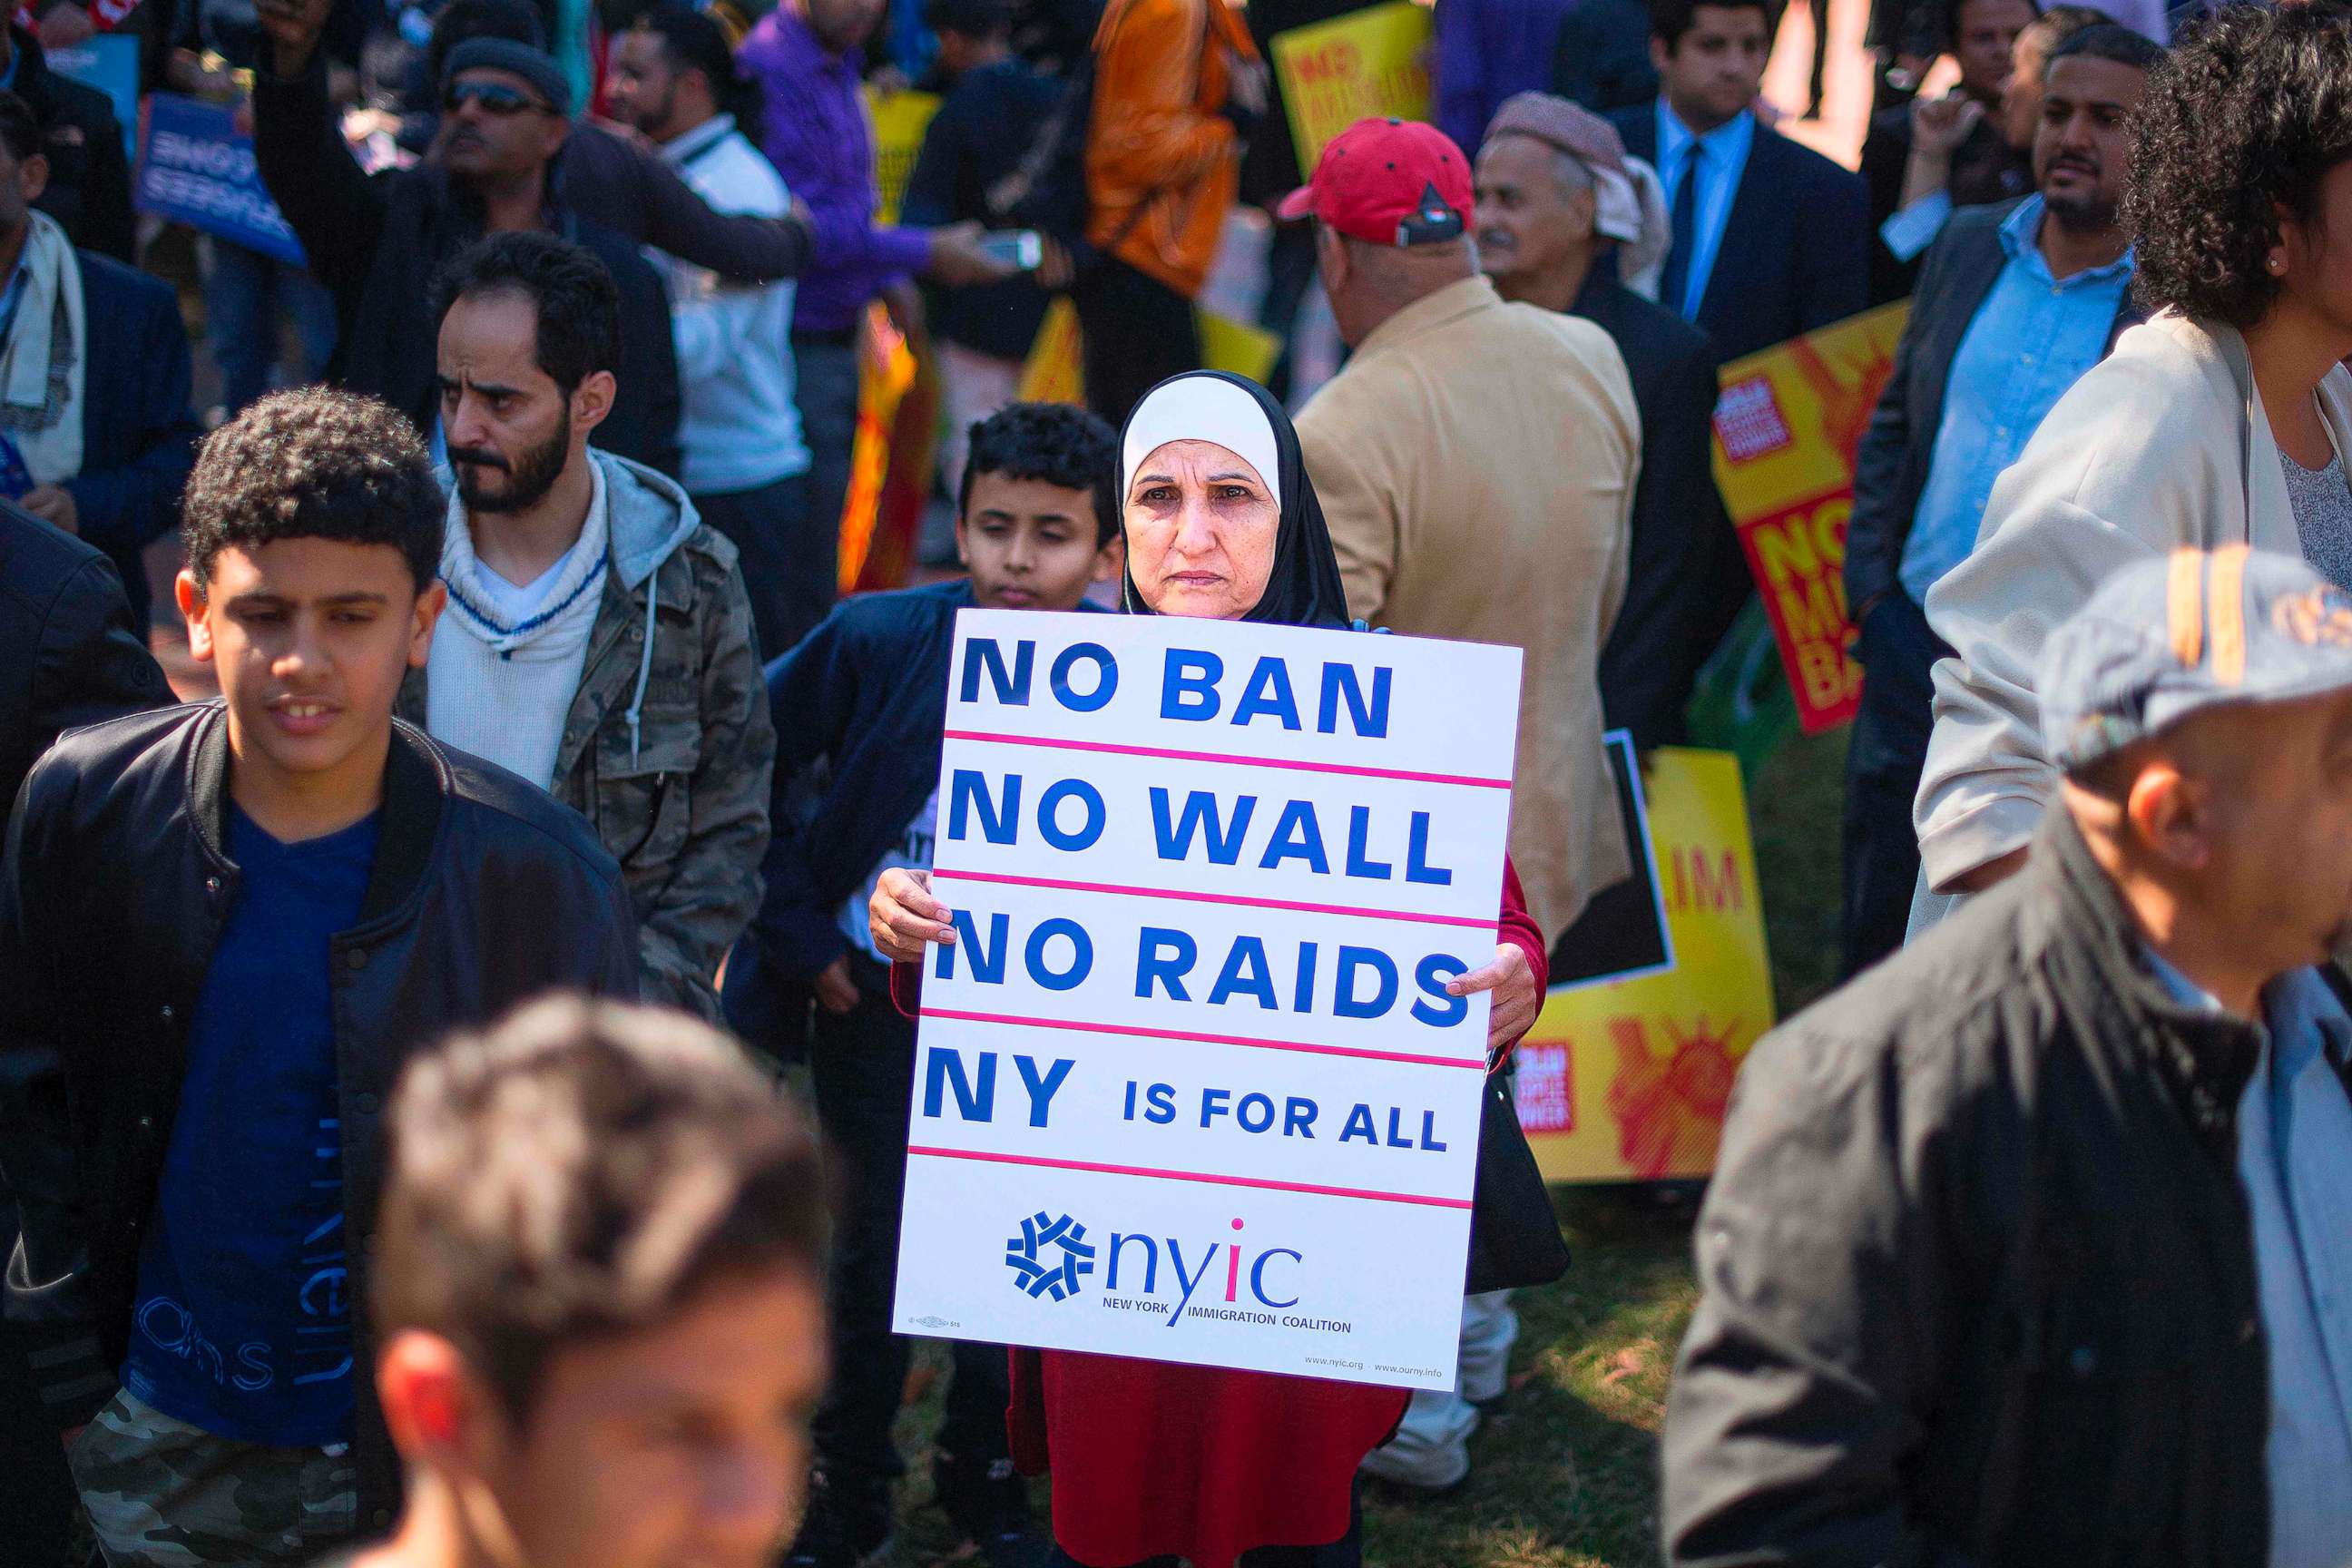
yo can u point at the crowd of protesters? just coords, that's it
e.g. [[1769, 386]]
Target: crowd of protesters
[[521, 597]]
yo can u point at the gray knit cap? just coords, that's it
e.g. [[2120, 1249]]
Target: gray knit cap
[[535, 66]]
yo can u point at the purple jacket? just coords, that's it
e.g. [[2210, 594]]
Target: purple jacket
[[1487, 50], [813, 127]]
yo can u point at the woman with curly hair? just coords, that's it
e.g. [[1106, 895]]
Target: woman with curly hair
[[2225, 420]]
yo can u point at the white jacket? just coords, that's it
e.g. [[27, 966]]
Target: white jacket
[[2163, 444], [740, 425]]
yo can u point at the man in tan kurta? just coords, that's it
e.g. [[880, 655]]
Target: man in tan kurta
[[1475, 462]]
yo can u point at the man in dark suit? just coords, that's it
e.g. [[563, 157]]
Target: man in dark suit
[[1771, 239], [2015, 301], [72, 657], [1555, 206], [96, 435], [89, 176]]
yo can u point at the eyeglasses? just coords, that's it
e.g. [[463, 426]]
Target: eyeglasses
[[496, 100]]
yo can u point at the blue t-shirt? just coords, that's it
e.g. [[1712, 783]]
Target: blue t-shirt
[[242, 1326]]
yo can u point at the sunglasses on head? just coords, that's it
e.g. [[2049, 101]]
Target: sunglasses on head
[[496, 99]]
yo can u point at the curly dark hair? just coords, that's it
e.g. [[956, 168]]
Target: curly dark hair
[[577, 305], [1054, 442], [2244, 117], [314, 463]]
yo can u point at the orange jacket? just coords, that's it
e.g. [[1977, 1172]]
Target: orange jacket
[[1157, 142]]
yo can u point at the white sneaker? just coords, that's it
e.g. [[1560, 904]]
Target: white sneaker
[[1430, 1451]]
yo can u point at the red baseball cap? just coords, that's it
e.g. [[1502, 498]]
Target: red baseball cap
[[1388, 182]]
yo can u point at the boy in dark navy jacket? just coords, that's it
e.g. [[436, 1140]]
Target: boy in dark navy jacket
[[865, 695]]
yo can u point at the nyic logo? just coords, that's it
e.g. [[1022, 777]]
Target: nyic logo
[[1048, 1255]]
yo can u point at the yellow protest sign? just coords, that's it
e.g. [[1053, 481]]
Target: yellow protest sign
[[1334, 73], [1786, 430], [1627, 1081], [899, 119], [1054, 372], [1237, 348]]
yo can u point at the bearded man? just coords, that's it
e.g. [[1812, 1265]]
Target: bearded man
[[598, 639]]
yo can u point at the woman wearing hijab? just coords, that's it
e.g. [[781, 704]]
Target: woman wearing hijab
[[1153, 1459]]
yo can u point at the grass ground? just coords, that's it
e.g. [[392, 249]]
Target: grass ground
[[1564, 1471]]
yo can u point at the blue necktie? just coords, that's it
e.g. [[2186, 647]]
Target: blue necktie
[[1676, 281]]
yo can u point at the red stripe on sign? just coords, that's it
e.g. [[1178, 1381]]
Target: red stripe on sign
[[1472, 921], [1189, 1176], [1084, 1028], [1221, 757]]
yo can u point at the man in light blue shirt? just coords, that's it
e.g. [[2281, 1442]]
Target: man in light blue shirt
[[2014, 305], [2032, 339]]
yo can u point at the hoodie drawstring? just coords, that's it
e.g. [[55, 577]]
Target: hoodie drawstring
[[645, 666]]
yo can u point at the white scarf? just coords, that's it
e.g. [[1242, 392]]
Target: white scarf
[[1631, 208], [44, 361], [503, 691]]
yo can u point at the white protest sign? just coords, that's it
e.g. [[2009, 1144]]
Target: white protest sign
[[1189, 1086]]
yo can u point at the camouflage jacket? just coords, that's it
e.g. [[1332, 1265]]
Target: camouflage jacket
[[669, 754]]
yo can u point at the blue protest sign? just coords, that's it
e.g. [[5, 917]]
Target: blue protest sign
[[197, 169], [109, 62]]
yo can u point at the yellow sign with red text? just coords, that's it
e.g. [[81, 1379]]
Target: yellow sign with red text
[[1786, 430], [1334, 73], [1627, 1081]]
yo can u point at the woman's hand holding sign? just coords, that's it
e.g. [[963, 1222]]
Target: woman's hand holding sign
[[1516, 1000], [903, 916]]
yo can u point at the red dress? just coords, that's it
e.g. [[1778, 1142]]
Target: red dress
[[1153, 1458]]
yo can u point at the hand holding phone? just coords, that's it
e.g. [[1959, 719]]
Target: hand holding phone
[[1020, 249]]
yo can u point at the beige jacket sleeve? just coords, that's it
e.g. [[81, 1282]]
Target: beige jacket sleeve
[[1617, 386], [2156, 448], [1358, 507]]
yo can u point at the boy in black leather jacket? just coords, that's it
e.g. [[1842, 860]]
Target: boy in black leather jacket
[[223, 929]]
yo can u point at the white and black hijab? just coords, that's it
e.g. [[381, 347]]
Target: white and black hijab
[[1245, 418]]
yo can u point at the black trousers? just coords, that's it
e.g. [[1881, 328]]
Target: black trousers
[[1136, 332], [825, 371], [1885, 756], [863, 1063], [789, 565]]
